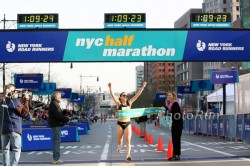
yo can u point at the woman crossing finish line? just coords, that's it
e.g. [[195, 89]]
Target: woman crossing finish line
[[123, 126]]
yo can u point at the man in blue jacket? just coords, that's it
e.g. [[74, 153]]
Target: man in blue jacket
[[11, 125], [56, 121]]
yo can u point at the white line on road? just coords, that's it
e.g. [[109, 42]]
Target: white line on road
[[203, 147], [105, 151]]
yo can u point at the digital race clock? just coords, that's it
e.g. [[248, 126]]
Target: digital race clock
[[210, 20], [125, 20], [37, 21]]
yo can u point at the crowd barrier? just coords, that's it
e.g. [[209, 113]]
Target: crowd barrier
[[226, 126], [39, 137]]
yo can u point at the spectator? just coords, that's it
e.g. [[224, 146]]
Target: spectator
[[56, 121], [142, 123], [213, 108], [11, 125]]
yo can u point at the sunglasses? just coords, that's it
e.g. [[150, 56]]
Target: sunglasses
[[125, 95]]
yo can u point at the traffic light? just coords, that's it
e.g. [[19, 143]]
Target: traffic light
[[103, 97], [97, 79]]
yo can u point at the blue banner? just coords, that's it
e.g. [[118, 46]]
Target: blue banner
[[184, 90], [124, 45], [221, 76], [201, 85], [47, 88], [66, 92], [74, 95], [160, 96], [69, 134], [80, 99], [36, 139], [82, 128], [28, 81], [239, 127]]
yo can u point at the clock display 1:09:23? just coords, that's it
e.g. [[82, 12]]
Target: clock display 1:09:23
[[136, 18]]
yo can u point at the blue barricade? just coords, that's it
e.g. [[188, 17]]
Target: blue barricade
[[227, 126], [69, 134], [82, 128], [191, 124], [239, 127], [204, 126], [209, 127], [215, 127], [246, 127], [198, 125], [221, 125], [232, 127], [36, 139]]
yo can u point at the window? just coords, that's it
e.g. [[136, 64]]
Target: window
[[224, 10], [237, 8], [224, 1]]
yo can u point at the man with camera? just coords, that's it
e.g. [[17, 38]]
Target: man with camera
[[11, 111]]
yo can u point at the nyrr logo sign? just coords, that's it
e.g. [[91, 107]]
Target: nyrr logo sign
[[200, 45], [64, 133], [10, 47]]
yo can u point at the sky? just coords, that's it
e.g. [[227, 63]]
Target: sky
[[83, 14]]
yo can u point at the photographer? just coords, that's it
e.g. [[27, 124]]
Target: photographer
[[11, 110]]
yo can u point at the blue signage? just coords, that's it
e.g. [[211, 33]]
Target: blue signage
[[160, 96], [65, 92], [80, 99], [247, 127], [69, 134], [36, 139], [47, 88], [37, 25], [221, 76], [210, 25], [124, 45], [184, 90], [201, 85], [28, 81], [239, 127], [124, 25]]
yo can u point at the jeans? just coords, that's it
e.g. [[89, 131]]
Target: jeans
[[13, 139], [56, 131]]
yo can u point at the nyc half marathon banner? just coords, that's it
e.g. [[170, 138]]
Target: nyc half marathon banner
[[98, 45], [132, 113]]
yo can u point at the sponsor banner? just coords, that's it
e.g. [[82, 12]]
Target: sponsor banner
[[65, 92], [201, 85], [47, 88], [160, 96], [132, 113], [80, 99], [221, 76], [36, 139], [69, 134], [124, 45], [28, 81], [184, 90]]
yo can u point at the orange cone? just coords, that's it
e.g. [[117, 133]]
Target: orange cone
[[150, 141], [160, 145], [156, 124], [135, 129], [146, 136], [170, 150], [140, 133]]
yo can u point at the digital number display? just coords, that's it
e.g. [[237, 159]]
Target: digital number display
[[125, 18], [211, 17], [37, 18]]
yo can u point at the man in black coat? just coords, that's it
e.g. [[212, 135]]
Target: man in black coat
[[56, 121]]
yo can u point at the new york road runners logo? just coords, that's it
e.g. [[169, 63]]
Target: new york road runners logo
[[200, 45], [10, 47]]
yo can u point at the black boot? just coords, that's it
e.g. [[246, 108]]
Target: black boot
[[174, 158]]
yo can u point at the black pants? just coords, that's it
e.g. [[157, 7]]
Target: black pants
[[176, 137]]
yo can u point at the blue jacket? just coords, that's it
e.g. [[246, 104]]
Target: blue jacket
[[10, 116]]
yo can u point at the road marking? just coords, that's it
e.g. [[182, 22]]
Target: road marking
[[105, 151], [203, 147]]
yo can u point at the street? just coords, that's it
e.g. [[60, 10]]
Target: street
[[99, 147]]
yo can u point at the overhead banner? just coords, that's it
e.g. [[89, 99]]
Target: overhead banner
[[47, 88], [201, 85], [98, 45], [80, 99], [221, 76], [28, 81], [65, 92], [184, 90]]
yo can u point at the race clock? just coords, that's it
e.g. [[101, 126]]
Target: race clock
[[125, 20], [210, 20], [37, 21]]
